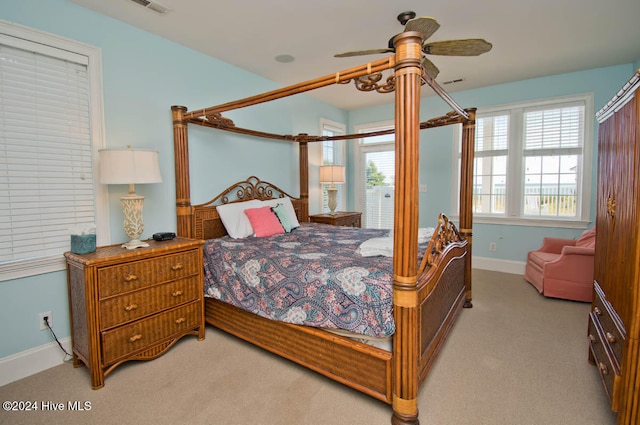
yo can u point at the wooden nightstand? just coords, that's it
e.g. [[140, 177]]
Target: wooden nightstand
[[133, 304], [340, 218]]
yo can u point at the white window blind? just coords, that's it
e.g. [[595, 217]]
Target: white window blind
[[554, 128], [46, 179]]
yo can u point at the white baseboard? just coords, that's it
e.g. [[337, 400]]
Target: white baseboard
[[496, 265], [34, 360]]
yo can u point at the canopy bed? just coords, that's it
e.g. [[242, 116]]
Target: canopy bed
[[428, 287]]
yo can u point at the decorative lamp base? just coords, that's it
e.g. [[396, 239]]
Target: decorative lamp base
[[332, 202], [133, 225], [134, 243]]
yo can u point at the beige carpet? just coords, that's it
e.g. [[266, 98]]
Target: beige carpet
[[516, 358]]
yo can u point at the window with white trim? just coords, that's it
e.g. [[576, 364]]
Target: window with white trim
[[333, 154], [376, 176], [532, 162], [47, 146]]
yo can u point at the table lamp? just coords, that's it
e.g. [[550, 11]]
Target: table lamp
[[332, 174], [130, 166]]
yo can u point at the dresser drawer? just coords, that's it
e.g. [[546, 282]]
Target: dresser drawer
[[139, 274], [603, 315], [606, 364], [121, 342], [134, 305]]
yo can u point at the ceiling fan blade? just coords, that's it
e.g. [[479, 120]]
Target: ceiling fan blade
[[431, 70], [424, 24], [468, 47], [363, 52]]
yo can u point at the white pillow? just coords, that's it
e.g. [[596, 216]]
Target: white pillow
[[291, 212], [235, 220]]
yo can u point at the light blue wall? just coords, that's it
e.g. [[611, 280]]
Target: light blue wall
[[437, 150], [143, 76]]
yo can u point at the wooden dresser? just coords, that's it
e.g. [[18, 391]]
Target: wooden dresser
[[340, 218], [614, 320], [133, 304]]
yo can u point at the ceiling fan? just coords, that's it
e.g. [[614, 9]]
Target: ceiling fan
[[428, 26]]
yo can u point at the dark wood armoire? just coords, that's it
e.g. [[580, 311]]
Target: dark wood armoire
[[614, 320]]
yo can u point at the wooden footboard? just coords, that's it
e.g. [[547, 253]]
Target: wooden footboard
[[442, 294], [360, 366]]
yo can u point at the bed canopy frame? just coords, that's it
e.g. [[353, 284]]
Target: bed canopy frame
[[407, 366]]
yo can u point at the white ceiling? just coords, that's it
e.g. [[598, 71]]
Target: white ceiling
[[530, 38]]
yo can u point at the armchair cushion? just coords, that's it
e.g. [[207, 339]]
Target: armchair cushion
[[587, 239], [563, 268]]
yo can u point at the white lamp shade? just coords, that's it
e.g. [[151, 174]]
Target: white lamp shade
[[129, 166], [332, 174]]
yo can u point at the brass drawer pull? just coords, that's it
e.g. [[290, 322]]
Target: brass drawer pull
[[597, 311], [135, 338], [611, 338], [177, 267], [592, 339], [131, 307], [603, 368], [130, 278], [177, 293], [180, 320]]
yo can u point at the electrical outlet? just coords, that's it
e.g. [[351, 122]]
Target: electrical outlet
[[41, 316], [492, 246]]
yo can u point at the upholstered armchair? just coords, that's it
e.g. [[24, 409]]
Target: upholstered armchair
[[563, 268]]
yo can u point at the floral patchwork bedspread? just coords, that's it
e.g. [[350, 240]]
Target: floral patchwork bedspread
[[311, 276]]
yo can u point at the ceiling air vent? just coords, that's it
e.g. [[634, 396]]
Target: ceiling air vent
[[156, 7]]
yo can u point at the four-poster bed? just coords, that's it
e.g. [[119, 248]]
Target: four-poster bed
[[427, 295]]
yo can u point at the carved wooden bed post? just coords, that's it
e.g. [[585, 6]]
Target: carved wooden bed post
[[183, 188], [466, 195], [304, 179], [408, 75]]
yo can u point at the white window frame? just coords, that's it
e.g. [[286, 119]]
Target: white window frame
[[513, 215], [10, 31], [359, 166], [339, 158]]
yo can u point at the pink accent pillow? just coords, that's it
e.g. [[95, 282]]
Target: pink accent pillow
[[264, 221]]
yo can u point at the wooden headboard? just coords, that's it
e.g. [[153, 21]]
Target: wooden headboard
[[206, 221]]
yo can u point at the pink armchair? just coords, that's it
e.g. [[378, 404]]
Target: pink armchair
[[563, 268]]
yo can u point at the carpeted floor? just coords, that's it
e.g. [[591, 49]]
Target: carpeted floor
[[515, 358]]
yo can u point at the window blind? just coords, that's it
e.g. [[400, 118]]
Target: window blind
[[492, 133], [46, 178], [556, 128]]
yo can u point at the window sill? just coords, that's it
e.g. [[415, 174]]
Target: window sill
[[26, 268], [531, 222]]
